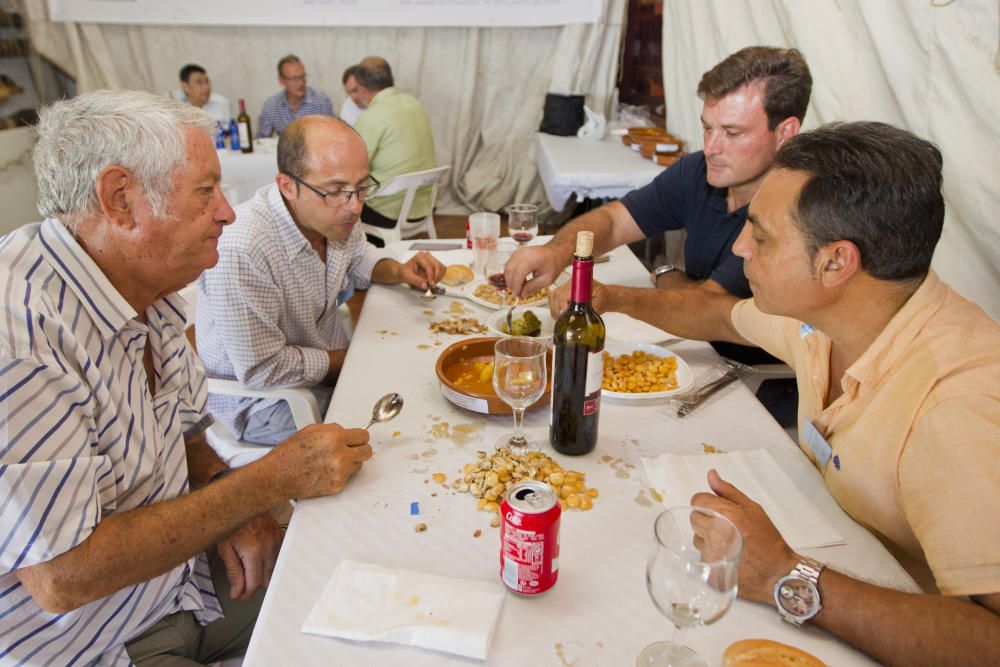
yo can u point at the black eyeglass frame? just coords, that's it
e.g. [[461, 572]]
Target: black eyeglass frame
[[362, 193]]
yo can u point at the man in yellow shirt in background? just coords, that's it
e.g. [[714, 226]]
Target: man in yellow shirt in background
[[899, 385], [397, 131]]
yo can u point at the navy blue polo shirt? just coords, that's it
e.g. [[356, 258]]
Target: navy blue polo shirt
[[681, 198]]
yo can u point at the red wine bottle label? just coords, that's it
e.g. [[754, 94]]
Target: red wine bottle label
[[244, 134], [583, 271]]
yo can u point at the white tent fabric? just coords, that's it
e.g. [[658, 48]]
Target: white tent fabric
[[484, 88], [932, 67]]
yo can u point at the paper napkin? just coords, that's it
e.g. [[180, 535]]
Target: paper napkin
[[372, 603], [758, 476]]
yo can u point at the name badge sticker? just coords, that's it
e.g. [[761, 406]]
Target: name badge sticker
[[820, 448]]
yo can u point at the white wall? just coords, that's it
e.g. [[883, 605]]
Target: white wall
[[17, 180]]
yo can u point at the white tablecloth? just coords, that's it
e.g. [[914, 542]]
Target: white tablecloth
[[245, 173], [599, 608], [598, 169]]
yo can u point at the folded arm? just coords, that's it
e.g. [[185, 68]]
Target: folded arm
[[130, 547]]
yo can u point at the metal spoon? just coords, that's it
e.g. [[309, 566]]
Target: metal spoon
[[386, 408], [510, 314], [429, 295]]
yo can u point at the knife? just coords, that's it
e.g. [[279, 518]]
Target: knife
[[688, 406]]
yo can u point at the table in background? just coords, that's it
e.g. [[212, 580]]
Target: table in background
[[245, 173], [600, 606], [596, 169]]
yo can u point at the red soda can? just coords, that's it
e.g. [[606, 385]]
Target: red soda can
[[529, 538]]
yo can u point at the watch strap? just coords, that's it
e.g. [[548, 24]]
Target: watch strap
[[809, 569]]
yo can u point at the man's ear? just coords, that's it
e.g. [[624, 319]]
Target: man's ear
[[838, 262], [787, 129], [113, 184], [287, 186]]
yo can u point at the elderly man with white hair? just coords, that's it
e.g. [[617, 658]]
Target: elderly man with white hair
[[111, 495]]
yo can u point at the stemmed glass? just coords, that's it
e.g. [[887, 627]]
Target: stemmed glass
[[690, 577], [519, 380], [522, 222], [493, 269]]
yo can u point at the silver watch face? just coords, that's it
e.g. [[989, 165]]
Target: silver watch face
[[797, 597]]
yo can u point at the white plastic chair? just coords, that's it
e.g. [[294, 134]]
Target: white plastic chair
[[233, 451], [409, 183]]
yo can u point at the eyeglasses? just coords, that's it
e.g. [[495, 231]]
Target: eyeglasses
[[339, 198], [294, 78]]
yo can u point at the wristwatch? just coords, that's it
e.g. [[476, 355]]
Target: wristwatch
[[797, 595], [662, 269]]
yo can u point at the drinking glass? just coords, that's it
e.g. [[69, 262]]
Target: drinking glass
[[484, 229], [522, 222], [519, 380], [692, 582]]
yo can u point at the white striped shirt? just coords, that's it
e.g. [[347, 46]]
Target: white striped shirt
[[267, 312], [82, 439]]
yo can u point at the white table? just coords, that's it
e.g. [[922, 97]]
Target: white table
[[597, 169], [245, 173], [600, 606]]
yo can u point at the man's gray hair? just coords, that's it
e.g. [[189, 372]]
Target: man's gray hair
[[80, 137]]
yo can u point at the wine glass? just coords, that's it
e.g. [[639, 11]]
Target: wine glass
[[691, 578], [522, 222], [493, 269], [519, 380]]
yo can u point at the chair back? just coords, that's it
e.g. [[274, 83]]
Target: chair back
[[409, 183]]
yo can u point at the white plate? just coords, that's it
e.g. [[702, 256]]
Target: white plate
[[623, 328], [685, 378], [470, 294], [497, 320]]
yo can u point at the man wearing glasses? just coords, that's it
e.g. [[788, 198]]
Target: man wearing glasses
[[267, 313], [295, 101]]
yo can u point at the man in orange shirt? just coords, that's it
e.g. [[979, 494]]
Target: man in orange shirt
[[899, 384]]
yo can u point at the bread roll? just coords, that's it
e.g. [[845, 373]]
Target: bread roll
[[456, 275], [767, 653]]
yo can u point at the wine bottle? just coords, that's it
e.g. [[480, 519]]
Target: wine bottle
[[243, 122], [577, 361]]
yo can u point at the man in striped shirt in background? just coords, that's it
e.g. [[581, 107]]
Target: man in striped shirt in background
[[294, 100], [111, 496]]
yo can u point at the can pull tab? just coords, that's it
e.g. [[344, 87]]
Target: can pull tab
[[529, 496]]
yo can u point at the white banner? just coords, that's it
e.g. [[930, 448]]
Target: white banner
[[399, 13]]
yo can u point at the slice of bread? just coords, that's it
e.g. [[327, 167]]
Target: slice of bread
[[767, 653]]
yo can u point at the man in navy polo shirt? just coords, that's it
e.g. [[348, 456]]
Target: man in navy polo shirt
[[754, 101]]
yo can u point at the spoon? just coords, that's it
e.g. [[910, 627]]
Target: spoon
[[429, 295], [386, 408], [510, 314]]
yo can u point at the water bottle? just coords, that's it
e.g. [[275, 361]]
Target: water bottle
[[220, 135], [234, 135]]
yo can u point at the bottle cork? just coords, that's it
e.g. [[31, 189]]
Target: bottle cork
[[584, 244]]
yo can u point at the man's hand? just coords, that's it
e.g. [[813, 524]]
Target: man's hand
[[542, 263], [600, 298], [766, 557], [422, 271], [318, 460], [250, 554]]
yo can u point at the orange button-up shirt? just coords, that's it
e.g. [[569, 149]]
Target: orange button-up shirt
[[916, 433]]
